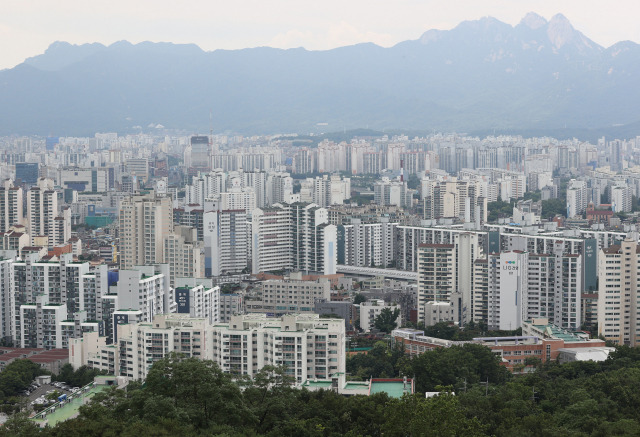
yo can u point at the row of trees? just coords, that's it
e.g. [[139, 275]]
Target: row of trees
[[189, 397]]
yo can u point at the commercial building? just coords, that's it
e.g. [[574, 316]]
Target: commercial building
[[540, 342]]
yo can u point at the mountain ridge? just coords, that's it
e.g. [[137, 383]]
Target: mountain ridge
[[480, 75]]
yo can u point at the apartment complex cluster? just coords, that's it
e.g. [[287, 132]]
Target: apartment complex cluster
[[183, 229]]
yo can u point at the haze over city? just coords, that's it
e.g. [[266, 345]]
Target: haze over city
[[27, 28]]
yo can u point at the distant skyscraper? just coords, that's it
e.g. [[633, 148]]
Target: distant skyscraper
[[200, 152]]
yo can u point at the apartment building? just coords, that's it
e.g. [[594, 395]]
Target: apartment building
[[11, 212], [144, 221], [618, 312], [306, 345], [370, 310], [226, 241], [184, 254], [368, 244], [198, 298], [293, 295], [507, 280], [296, 236], [437, 275], [43, 214], [231, 304]]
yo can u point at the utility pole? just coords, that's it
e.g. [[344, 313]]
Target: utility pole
[[486, 387]]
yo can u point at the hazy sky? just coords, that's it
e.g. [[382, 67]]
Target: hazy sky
[[27, 27]]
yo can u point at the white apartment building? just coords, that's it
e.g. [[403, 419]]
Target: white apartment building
[[145, 289], [11, 200], [144, 221], [388, 192], [577, 198], [226, 241], [293, 295], [618, 310], [295, 236], [455, 199], [437, 275], [204, 187], [198, 298], [238, 198], [306, 345], [508, 275], [554, 289], [271, 239], [369, 244], [621, 198], [315, 241], [42, 209], [40, 324], [279, 188], [184, 254]]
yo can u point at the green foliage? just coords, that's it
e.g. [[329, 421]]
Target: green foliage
[[453, 366], [358, 299], [437, 416], [379, 362], [76, 378], [17, 376], [554, 207], [188, 397], [413, 182], [499, 209], [448, 331], [386, 320]]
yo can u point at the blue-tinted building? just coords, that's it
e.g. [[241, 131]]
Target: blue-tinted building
[[27, 172]]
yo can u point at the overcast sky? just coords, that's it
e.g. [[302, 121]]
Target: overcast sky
[[27, 27]]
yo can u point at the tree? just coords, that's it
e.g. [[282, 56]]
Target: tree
[[386, 320], [498, 209], [440, 415], [359, 298], [553, 207], [472, 363], [199, 390]]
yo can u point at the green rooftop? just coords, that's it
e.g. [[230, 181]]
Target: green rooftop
[[553, 331], [394, 389], [317, 384]]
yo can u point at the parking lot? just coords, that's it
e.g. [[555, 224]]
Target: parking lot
[[42, 391]]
